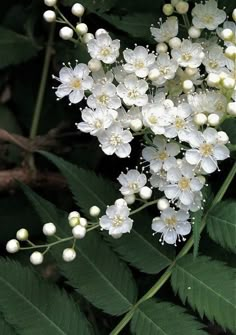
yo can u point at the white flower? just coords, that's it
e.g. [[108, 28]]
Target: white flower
[[95, 122], [206, 151], [104, 96], [166, 31], [189, 54], [104, 48], [207, 103], [131, 182], [133, 91], [116, 140], [162, 155], [167, 68], [74, 82], [214, 59], [207, 15], [156, 118], [138, 61], [102, 77], [172, 225], [183, 184], [117, 220], [195, 205]]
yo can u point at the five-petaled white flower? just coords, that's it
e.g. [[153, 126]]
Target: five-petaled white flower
[[189, 54], [74, 82], [205, 150], [133, 91], [131, 182], [167, 30], [172, 225], [167, 68], [104, 48], [104, 96], [155, 117]]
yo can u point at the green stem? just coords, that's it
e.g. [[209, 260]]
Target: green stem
[[166, 275], [143, 206]]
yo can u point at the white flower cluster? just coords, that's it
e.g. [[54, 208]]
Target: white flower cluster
[[176, 97]]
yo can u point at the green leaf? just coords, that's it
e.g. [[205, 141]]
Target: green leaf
[[221, 224], [8, 121], [164, 318], [96, 273], [229, 126], [196, 230], [33, 306], [88, 188], [5, 328], [208, 286], [14, 48]]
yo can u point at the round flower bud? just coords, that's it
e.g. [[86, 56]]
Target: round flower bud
[[22, 234], [228, 83], [231, 108], [49, 229], [94, 65], [36, 258], [87, 37], [77, 9], [49, 16], [190, 71], [50, 3], [66, 33], [194, 32], [234, 15], [130, 199], [187, 85], [200, 119], [100, 31], [202, 179], [213, 119], [227, 34], [162, 204], [154, 74], [68, 254], [94, 211], [145, 193], [182, 7], [120, 202], [116, 236], [161, 47], [74, 218], [136, 125], [83, 222], [168, 9], [230, 52], [222, 137], [175, 43], [213, 79], [168, 103], [79, 232], [12, 246], [81, 28]]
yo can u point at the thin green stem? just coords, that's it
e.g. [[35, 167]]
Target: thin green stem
[[143, 206], [166, 275], [65, 20]]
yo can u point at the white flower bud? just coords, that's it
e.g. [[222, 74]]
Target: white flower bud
[[94, 65], [168, 103], [68, 254], [49, 229], [22, 234], [49, 16], [213, 119], [168, 9], [223, 75], [66, 33], [175, 42], [190, 71], [200, 119], [81, 28], [230, 52], [162, 204], [50, 3], [12, 246], [145, 193], [202, 179], [213, 79], [231, 108], [187, 85], [194, 32], [79, 232], [74, 218], [120, 202], [83, 222], [94, 211], [234, 15], [36, 258], [136, 125], [161, 47], [228, 83], [100, 31], [222, 137], [154, 74], [130, 199], [87, 37], [182, 7], [116, 236], [77, 9], [227, 34]]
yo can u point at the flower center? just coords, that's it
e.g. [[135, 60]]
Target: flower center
[[152, 119], [103, 99], [186, 56], [76, 83], [213, 64], [208, 19], [133, 94], [117, 221], [206, 149], [171, 221], [133, 186], [139, 64], [98, 124], [105, 52], [164, 70], [184, 183], [163, 155], [179, 123], [115, 140]]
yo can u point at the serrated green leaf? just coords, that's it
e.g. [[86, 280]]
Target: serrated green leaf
[[14, 48], [33, 306], [221, 224], [208, 286], [5, 328], [96, 273], [88, 189], [164, 318], [196, 230]]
